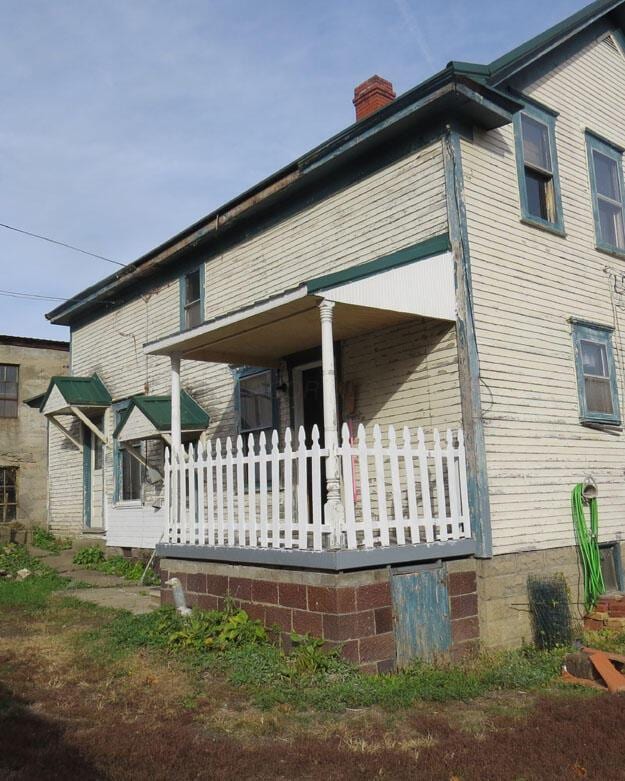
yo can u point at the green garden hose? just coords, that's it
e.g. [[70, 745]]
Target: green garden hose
[[587, 539]]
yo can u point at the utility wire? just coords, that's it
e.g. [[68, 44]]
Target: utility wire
[[59, 243], [33, 296]]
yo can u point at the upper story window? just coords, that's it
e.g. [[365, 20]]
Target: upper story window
[[605, 165], [8, 390], [596, 373], [191, 298], [537, 166]]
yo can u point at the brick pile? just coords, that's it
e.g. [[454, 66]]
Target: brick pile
[[609, 613]]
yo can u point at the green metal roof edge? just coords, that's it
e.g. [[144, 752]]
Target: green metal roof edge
[[67, 379], [552, 36], [536, 45], [424, 249], [187, 405]]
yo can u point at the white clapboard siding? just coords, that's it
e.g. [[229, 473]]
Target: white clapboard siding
[[269, 494], [526, 284], [138, 526]]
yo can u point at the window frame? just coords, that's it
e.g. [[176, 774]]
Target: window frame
[[548, 118], [184, 304], [118, 487], [16, 398], [246, 373], [582, 330], [615, 153], [15, 504]]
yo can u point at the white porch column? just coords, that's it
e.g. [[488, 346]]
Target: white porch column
[[176, 436], [334, 511]]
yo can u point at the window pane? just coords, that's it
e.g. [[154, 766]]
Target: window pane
[[535, 143], [606, 176], [594, 358], [132, 474], [539, 195], [256, 402], [192, 315], [8, 494], [598, 395], [192, 283], [611, 223], [8, 409]]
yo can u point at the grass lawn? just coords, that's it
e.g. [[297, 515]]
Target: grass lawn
[[89, 693]]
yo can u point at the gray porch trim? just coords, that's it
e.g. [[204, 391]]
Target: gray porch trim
[[333, 561]]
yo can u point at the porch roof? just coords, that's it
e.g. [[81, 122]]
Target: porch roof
[[415, 281], [149, 417]]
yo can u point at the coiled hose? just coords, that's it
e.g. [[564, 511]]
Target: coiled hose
[[587, 539]]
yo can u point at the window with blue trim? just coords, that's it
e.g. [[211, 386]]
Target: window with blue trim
[[596, 373], [605, 165], [129, 472], [192, 298], [537, 168]]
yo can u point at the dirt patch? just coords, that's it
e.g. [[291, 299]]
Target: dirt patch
[[67, 712]]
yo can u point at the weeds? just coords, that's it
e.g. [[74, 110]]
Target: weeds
[[93, 558], [45, 540], [33, 592]]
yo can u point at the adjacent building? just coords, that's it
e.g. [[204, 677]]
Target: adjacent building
[[25, 368], [357, 397]]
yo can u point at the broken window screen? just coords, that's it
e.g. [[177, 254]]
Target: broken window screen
[[539, 185], [132, 472], [192, 299], [8, 390], [8, 493], [596, 377], [256, 402]]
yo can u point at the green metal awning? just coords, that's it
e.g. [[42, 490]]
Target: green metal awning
[[65, 392], [149, 417]]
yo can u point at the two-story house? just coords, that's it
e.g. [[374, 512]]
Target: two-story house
[[357, 397]]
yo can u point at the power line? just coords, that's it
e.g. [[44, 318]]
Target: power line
[[32, 296], [59, 243]]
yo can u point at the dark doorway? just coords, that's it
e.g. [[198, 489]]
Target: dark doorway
[[310, 405], [312, 401]]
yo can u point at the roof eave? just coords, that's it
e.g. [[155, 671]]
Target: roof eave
[[449, 94]]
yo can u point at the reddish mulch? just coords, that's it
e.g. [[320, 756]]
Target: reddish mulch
[[562, 739]]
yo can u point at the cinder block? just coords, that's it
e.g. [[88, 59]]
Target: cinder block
[[348, 626], [377, 648], [292, 595], [264, 591]]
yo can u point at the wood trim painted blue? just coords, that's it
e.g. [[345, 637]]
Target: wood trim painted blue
[[548, 118], [598, 143], [603, 335], [118, 411], [86, 475], [201, 268], [468, 356], [436, 245]]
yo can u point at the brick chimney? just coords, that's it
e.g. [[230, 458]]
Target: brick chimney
[[372, 95]]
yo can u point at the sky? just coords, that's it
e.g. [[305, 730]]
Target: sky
[[124, 121]]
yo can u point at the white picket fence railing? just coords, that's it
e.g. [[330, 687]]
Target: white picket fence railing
[[259, 494]]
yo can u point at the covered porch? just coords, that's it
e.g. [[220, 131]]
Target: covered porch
[[332, 495]]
